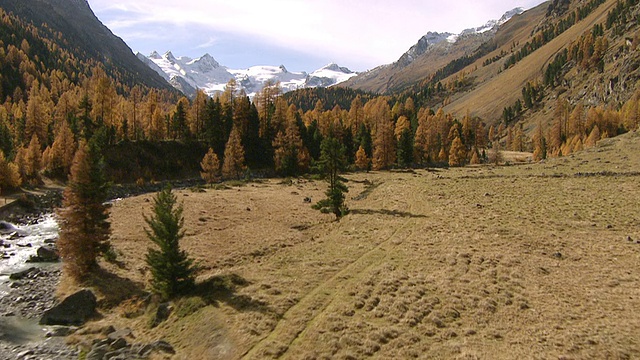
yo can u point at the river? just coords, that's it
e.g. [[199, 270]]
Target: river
[[21, 337], [21, 242]]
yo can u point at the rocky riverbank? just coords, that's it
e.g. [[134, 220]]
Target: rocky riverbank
[[30, 291], [28, 296]]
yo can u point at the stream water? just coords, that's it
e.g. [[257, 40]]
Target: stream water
[[17, 244]]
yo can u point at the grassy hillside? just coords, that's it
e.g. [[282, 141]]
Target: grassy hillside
[[497, 89], [529, 261]]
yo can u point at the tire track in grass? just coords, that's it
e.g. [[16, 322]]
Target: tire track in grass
[[302, 315]]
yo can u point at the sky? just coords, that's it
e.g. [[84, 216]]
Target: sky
[[303, 35]]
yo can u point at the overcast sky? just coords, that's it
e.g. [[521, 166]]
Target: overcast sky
[[302, 35]]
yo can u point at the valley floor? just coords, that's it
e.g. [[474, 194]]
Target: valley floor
[[528, 261]]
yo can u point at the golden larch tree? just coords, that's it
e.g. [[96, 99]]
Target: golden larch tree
[[290, 156], [9, 174], [233, 165], [457, 153], [475, 159], [362, 160], [62, 151], [401, 125], [384, 145], [210, 167], [593, 138], [33, 161], [84, 229]]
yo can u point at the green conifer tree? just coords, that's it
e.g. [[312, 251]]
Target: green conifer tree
[[405, 148], [173, 272], [332, 161]]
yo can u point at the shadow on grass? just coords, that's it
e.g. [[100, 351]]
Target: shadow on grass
[[386, 212], [112, 289], [222, 288]]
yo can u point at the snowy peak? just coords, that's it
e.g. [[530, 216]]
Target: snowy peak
[[329, 75], [493, 25], [434, 39], [334, 67], [206, 73], [509, 14]]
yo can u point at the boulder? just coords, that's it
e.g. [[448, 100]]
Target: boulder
[[44, 254], [22, 274], [7, 228], [162, 314], [76, 309], [98, 352], [47, 254], [60, 331], [157, 346], [122, 333]]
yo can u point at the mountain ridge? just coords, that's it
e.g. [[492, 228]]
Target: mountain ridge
[[432, 52], [86, 36], [188, 75]]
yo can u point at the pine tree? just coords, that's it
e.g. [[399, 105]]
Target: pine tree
[[332, 161], [84, 229], [210, 167], [233, 166], [405, 148], [179, 126], [173, 272]]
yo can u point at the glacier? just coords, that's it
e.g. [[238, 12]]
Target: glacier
[[205, 73]]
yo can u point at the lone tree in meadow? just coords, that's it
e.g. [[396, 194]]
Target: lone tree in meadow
[[332, 161], [173, 272], [84, 229], [210, 167]]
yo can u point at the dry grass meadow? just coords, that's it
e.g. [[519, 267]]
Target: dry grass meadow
[[534, 261]]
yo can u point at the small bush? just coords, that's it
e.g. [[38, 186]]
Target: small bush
[[188, 306]]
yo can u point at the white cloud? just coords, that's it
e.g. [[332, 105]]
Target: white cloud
[[212, 41], [364, 32]]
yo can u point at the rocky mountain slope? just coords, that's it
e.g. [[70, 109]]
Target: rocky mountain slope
[[86, 37], [554, 63], [205, 73], [432, 52]]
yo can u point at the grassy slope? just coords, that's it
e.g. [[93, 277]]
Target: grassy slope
[[528, 261], [495, 92]]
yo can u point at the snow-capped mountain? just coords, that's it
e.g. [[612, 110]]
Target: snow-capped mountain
[[493, 25], [432, 52], [206, 73], [445, 40]]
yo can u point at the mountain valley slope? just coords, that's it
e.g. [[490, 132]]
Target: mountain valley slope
[[442, 262]]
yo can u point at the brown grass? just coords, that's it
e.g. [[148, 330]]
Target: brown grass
[[497, 90], [528, 261]]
